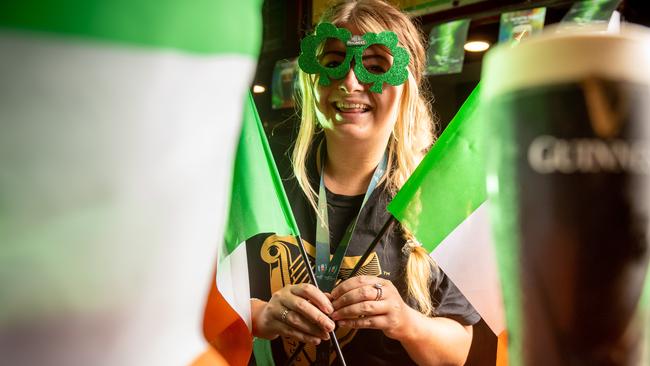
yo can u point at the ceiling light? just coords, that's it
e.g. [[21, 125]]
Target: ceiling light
[[257, 89], [476, 46]]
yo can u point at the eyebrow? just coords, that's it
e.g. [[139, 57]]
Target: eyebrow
[[381, 57], [337, 53]]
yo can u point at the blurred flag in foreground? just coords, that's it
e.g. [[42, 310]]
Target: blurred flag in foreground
[[444, 205], [258, 205], [117, 137]]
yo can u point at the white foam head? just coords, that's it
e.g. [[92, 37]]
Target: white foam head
[[559, 56]]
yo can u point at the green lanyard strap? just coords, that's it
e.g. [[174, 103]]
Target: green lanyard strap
[[327, 271]]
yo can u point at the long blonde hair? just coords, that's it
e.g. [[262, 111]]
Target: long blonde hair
[[412, 135]]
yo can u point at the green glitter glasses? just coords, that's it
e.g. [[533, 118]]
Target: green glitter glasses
[[370, 66]]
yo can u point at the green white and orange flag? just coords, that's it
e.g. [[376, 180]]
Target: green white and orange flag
[[258, 205], [444, 204], [119, 121]]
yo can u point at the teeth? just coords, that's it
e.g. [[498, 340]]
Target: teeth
[[341, 105]]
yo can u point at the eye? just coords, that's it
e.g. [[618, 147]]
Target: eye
[[376, 59], [332, 64], [376, 69], [332, 58], [376, 66]]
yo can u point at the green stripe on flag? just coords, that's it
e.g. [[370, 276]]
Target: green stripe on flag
[[198, 26], [449, 183], [263, 353], [258, 202]]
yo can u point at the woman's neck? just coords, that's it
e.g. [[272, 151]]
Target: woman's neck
[[349, 167]]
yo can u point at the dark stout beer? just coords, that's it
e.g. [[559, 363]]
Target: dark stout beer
[[570, 177]]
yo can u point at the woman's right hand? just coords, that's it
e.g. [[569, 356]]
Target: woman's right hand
[[297, 311]]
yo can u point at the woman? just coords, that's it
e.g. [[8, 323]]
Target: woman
[[356, 147]]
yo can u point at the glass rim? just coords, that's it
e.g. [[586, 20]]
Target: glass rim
[[561, 55]]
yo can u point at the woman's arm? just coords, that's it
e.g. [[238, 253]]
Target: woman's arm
[[434, 341], [428, 341]]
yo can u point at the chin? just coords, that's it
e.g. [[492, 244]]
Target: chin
[[350, 131]]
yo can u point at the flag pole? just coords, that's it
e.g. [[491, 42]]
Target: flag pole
[[312, 278], [357, 267], [371, 247]]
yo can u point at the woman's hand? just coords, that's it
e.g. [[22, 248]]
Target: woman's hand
[[298, 311], [371, 302]]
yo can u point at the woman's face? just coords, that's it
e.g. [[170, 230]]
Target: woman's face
[[347, 108]]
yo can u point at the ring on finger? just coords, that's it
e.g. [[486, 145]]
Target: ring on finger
[[283, 315], [380, 291]]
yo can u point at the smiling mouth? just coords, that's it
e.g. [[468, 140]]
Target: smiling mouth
[[351, 107]]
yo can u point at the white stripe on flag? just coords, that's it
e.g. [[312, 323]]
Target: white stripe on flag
[[232, 282], [467, 257], [115, 177]]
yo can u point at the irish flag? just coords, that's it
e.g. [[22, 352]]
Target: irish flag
[[258, 205], [119, 122], [444, 204]]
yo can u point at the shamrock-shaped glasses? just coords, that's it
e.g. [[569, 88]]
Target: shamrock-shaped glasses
[[370, 65]]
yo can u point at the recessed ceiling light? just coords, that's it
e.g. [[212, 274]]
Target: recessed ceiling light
[[476, 46], [257, 89]]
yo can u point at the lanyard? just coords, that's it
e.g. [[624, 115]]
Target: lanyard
[[327, 271]]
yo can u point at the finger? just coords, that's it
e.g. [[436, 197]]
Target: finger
[[365, 308], [314, 295], [312, 314], [288, 331], [352, 283], [359, 294], [371, 322], [302, 324]]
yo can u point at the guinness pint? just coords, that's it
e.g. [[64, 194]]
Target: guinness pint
[[569, 183]]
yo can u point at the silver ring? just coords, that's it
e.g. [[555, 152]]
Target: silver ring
[[380, 292], [284, 314]]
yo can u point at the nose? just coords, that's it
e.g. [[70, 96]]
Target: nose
[[350, 84]]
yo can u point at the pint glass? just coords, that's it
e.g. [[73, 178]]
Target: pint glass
[[569, 183]]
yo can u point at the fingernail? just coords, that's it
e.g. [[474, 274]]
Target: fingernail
[[330, 309], [331, 326], [334, 316]]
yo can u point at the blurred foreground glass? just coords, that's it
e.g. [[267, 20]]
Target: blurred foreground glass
[[568, 180]]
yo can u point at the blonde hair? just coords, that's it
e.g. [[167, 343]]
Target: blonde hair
[[411, 137]]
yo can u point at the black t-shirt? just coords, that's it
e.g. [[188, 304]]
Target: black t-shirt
[[274, 262], [341, 210]]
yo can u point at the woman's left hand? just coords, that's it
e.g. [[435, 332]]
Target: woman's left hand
[[371, 302]]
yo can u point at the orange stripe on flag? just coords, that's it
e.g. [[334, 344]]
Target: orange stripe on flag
[[225, 330], [502, 349], [210, 358]]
